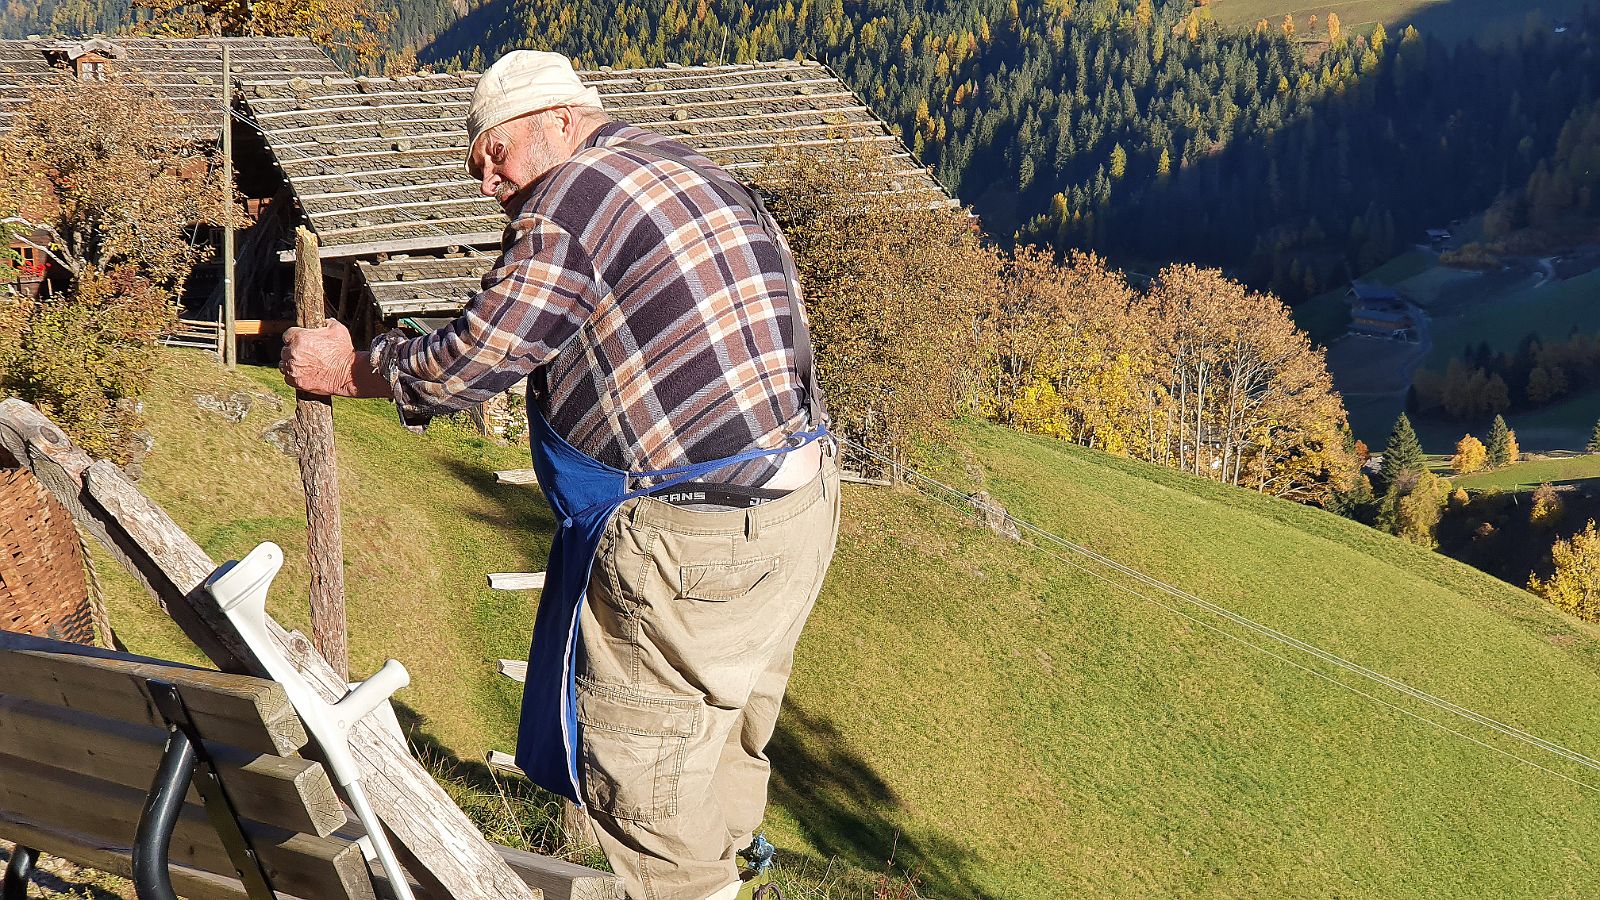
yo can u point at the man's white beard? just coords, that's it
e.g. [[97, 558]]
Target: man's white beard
[[541, 159]]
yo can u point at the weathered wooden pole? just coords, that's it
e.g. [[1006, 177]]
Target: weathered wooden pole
[[313, 420], [230, 340]]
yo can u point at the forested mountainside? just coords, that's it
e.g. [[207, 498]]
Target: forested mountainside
[[415, 22], [1293, 155], [1138, 128]]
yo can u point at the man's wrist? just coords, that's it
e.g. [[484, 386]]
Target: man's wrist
[[364, 380]]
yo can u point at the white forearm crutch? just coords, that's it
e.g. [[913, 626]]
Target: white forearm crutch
[[240, 588]]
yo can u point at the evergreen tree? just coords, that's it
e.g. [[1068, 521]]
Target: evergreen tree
[[1402, 456], [1499, 443], [1594, 439]]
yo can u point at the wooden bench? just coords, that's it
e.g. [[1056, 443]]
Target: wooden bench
[[87, 736], [83, 733], [435, 841]]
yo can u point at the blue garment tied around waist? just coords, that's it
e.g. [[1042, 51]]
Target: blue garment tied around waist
[[583, 493]]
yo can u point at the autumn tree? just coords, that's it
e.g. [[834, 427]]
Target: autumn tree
[[351, 28], [1470, 457], [1071, 354], [121, 192], [116, 184], [1335, 28], [1412, 507], [1574, 583], [1502, 444], [893, 287], [1402, 455], [1546, 509], [1245, 397]]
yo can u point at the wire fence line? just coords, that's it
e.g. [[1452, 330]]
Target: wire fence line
[[1052, 545]]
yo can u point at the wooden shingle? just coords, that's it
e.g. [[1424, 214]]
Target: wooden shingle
[[185, 72], [377, 163]]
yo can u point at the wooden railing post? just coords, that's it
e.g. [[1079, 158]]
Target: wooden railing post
[[319, 472]]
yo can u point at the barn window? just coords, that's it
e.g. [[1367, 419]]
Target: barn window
[[92, 67]]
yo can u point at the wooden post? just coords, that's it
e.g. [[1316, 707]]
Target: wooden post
[[230, 341], [313, 419]]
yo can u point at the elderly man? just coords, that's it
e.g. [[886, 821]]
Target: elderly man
[[680, 438]]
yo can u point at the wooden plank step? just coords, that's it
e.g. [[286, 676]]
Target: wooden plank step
[[504, 762], [853, 478], [517, 476], [517, 581], [514, 669]]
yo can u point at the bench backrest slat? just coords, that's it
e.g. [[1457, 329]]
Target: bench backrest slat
[[291, 793], [298, 864], [95, 853], [249, 713]]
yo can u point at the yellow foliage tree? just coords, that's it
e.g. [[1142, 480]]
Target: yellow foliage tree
[[1574, 584], [1471, 456], [353, 27], [1546, 509], [102, 171], [1070, 356], [893, 289]]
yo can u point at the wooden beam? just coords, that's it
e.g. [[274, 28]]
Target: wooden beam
[[504, 763], [403, 245], [514, 669], [853, 478], [411, 804], [516, 476], [516, 581], [549, 878], [260, 327], [319, 474]]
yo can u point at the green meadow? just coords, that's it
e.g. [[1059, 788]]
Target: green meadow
[[1006, 720]]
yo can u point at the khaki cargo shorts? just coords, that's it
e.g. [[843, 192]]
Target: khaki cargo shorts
[[688, 640]]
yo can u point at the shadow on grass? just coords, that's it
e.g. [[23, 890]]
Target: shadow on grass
[[523, 506], [77, 885], [846, 810]]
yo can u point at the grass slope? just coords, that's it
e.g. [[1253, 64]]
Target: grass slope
[[1448, 20], [1525, 476], [1549, 311], [1006, 724]]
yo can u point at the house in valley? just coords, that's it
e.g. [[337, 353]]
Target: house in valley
[[1377, 310]]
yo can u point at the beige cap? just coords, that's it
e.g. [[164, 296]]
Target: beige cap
[[522, 82]]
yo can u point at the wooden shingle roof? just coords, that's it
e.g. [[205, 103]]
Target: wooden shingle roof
[[186, 72], [377, 163]]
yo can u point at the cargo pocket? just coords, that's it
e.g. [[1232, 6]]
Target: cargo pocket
[[633, 749], [727, 581]]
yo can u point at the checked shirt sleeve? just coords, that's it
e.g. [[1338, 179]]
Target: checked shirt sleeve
[[534, 300]]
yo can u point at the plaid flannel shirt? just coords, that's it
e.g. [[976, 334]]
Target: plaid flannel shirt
[[647, 302]]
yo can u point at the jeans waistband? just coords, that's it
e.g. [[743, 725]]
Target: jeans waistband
[[649, 511]]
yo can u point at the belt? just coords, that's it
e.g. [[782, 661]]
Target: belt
[[698, 493]]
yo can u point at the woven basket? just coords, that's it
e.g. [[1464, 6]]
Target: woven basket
[[43, 590]]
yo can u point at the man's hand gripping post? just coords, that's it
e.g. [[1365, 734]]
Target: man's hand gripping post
[[240, 589]]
